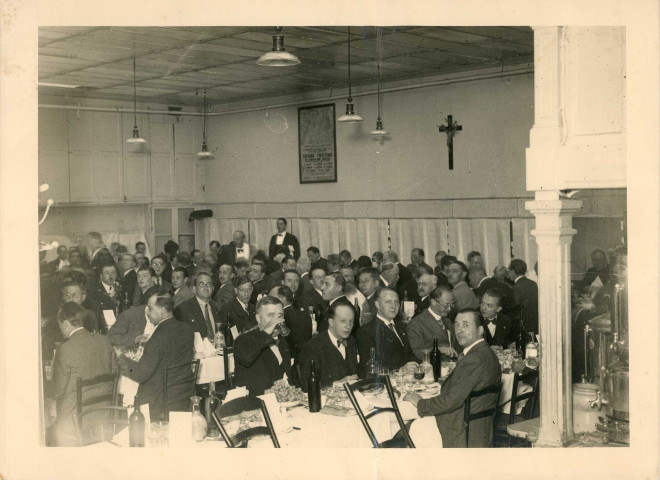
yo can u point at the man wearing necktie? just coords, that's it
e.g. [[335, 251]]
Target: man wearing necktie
[[200, 312], [283, 242], [498, 329], [386, 333], [334, 351], [477, 368], [261, 356]]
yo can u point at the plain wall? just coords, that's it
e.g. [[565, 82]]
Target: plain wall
[[257, 157]]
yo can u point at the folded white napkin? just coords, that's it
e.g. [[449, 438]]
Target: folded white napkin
[[280, 422], [208, 348], [198, 343], [362, 401], [237, 392]]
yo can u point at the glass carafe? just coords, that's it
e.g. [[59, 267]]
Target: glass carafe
[[428, 368], [198, 421]]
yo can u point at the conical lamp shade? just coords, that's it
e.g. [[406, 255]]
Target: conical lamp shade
[[350, 116], [278, 57]]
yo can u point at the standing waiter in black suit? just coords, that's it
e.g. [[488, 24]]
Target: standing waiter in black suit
[[283, 242], [200, 312]]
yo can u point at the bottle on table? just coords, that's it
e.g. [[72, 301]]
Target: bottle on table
[[198, 421], [313, 389], [427, 367], [357, 312], [371, 364], [136, 425], [312, 315], [532, 348], [211, 403], [219, 338], [436, 360], [520, 340]]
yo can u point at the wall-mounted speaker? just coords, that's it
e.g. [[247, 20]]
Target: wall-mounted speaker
[[198, 214]]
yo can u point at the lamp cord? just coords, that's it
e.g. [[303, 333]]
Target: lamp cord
[[350, 94], [134, 94]]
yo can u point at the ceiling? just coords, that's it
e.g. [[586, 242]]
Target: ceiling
[[174, 64]]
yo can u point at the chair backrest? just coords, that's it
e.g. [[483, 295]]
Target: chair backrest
[[373, 382], [532, 379], [469, 416], [100, 424], [95, 392], [168, 383], [236, 407]]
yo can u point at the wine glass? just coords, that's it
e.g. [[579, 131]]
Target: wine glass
[[419, 374]]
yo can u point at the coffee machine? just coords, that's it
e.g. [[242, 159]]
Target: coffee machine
[[614, 378]]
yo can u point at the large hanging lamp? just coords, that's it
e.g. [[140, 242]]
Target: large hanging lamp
[[350, 116], [204, 152], [379, 131], [136, 138], [278, 57]]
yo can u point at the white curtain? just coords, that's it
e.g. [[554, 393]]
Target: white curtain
[[430, 234], [524, 243], [127, 239], [322, 233], [489, 236], [261, 229], [221, 229]]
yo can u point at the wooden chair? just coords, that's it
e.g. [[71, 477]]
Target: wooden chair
[[469, 416], [236, 407], [501, 436], [97, 417], [370, 383], [184, 380]]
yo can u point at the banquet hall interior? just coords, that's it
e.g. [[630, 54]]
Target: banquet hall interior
[[509, 141]]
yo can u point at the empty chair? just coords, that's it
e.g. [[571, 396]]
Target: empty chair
[[237, 407], [502, 437], [178, 386], [374, 383], [97, 417]]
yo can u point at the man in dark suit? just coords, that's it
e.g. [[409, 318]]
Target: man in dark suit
[[145, 285], [303, 267], [433, 323], [477, 368], [600, 268], [261, 284], [288, 263], [162, 269], [368, 283], [404, 274], [237, 249], [299, 322], [182, 291], [474, 259], [426, 283], [334, 351], [346, 260], [438, 257], [128, 331], [225, 293], [103, 296], [497, 326], [171, 344], [283, 242], [61, 261], [315, 259], [200, 312], [386, 334], [480, 283], [389, 276], [84, 354], [525, 294], [443, 274], [417, 260], [261, 356], [314, 297], [128, 278], [334, 285], [239, 310]]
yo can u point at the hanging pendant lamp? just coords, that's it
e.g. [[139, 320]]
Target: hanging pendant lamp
[[136, 138], [278, 57], [204, 153], [350, 116], [379, 131]]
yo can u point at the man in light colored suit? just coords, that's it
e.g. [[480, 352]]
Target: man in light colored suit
[[182, 291], [225, 293]]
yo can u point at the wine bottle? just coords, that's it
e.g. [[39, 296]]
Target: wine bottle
[[520, 339], [357, 312], [136, 425], [211, 402], [312, 315], [436, 360], [313, 389], [371, 364]]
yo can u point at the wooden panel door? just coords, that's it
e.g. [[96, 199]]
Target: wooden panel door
[[54, 155]]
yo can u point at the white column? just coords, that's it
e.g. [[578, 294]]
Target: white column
[[554, 234]]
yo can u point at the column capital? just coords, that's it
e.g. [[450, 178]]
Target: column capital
[[558, 207]]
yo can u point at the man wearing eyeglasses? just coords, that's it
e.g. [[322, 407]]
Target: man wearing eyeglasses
[[200, 312], [433, 323], [261, 356]]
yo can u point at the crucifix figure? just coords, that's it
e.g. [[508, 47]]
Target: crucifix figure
[[450, 129]]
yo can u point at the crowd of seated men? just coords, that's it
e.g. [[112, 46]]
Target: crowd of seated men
[[338, 308]]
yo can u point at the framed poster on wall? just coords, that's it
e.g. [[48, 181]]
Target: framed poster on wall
[[317, 144]]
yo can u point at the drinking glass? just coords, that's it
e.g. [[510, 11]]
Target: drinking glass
[[419, 374]]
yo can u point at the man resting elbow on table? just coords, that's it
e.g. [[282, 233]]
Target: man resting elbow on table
[[477, 368], [261, 356]]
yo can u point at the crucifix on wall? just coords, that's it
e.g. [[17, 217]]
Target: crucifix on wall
[[450, 129]]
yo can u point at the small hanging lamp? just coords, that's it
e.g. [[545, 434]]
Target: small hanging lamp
[[204, 153], [278, 57], [379, 131], [136, 138], [350, 116]]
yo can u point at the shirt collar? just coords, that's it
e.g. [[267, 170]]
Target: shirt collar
[[201, 303], [79, 328], [468, 348], [244, 305], [516, 280], [482, 281], [434, 315], [333, 339], [386, 322], [384, 281]]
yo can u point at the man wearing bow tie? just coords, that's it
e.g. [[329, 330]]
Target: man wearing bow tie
[[283, 242], [498, 329], [236, 250], [334, 351]]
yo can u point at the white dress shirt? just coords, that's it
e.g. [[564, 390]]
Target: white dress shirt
[[243, 252], [468, 348], [202, 305], [280, 238]]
